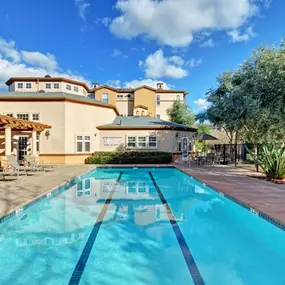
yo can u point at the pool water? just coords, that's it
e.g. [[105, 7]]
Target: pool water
[[140, 226]]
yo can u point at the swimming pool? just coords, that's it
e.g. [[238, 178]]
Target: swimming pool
[[139, 226]]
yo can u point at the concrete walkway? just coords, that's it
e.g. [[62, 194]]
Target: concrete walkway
[[264, 196], [15, 193]]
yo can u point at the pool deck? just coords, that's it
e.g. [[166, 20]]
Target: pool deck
[[263, 196]]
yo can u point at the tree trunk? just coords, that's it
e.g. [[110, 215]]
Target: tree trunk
[[235, 156]]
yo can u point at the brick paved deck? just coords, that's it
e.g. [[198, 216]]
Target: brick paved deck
[[263, 196]]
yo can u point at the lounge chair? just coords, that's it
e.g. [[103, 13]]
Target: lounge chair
[[32, 163], [15, 166]]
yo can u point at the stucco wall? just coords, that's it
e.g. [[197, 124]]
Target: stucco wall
[[125, 107], [51, 113], [146, 97], [82, 120], [111, 95], [166, 139]]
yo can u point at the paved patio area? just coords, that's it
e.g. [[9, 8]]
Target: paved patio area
[[264, 196], [17, 192]]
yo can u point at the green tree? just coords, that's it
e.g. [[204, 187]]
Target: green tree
[[181, 114], [202, 129]]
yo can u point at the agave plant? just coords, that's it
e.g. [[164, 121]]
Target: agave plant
[[271, 158]]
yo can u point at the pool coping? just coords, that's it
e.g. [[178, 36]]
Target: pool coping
[[17, 210]]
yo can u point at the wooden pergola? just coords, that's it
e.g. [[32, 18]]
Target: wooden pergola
[[9, 124]]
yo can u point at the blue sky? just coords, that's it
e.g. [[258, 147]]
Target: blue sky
[[183, 43]]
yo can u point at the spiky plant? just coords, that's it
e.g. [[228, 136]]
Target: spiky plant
[[271, 158]]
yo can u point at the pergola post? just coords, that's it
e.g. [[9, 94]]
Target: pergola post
[[34, 143], [8, 140]]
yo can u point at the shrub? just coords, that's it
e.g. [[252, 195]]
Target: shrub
[[271, 159], [129, 157]]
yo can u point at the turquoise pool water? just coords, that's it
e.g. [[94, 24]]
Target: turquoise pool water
[[140, 226]]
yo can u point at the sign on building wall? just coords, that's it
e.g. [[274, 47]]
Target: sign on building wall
[[112, 141]]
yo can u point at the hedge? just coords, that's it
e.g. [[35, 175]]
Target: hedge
[[129, 157]]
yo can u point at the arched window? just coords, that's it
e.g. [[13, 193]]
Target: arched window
[[137, 112], [142, 113]]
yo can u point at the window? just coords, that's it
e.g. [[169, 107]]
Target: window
[[56, 85], [87, 143], [10, 115], [137, 113], [84, 92], [105, 98], [68, 87], [28, 85], [131, 142], [158, 116], [152, 142], [48, 85], [178, 98], [83, 143], [20, 85], [75, 88], [158, 100], [35, 116], [120, 96], [141, 142], [38, 142], [142, 113], [23, 116]]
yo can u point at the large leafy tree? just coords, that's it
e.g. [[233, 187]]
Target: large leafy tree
[[181, 114]]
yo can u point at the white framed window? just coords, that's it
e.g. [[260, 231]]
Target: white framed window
[[83, 143], [75, 88], [20, 85], [35, 116], [38, 143], [56, 85], [178, 98], [28, 85], [141, 143], [158, 100], [158, 116], [68, 87], [48, 85], [105, 98], [23, 116], [131, 142], [145, 142], [10, 115], [120, 96]]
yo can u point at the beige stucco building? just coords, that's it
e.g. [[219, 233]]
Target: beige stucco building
[[83, 120]]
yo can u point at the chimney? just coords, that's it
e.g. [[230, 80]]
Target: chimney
[[95, 85], [159, 85]]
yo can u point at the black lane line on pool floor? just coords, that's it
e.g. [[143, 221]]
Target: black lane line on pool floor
[[78, 271], [191, 264]]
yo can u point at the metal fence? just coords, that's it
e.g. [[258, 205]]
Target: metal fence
[[230, 153]]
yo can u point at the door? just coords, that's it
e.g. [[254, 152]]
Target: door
[[185, 148], [22, 147]]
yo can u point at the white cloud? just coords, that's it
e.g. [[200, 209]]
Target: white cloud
[[175, 22], [104, 21], [29, 64], [8, 50], [118, 53], [82, 6], [36, 58], [193, 62], [157, 66], [136, 83], [208, 43], [201, 103], [237, 36]]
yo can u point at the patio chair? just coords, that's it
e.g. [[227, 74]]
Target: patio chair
[[32, 163], [15, 166]]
